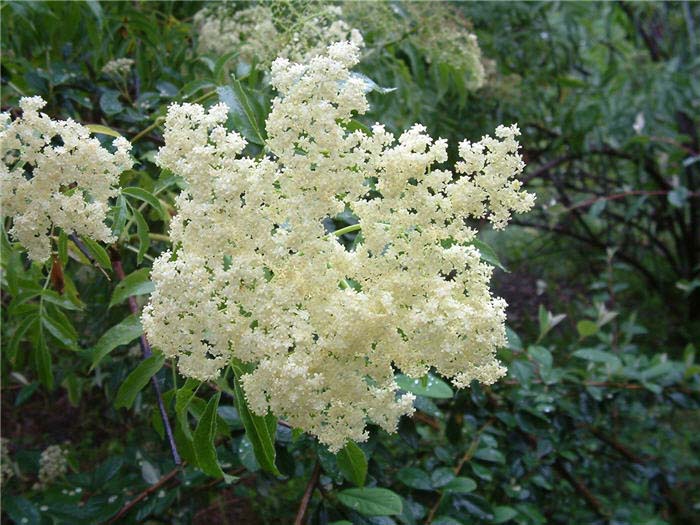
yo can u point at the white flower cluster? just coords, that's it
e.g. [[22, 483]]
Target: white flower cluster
[[53, 464], [257, 277], [53, 174], [294, 30], [118, 66], [437, 29], [6, 470]]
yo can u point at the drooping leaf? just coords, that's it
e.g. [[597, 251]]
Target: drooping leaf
[[183, 397], [371, 501], [488, 254], [138, 379], [203, 439], [147, 197], [414, 478], [259, 429], [122, 333], [136, 283], [353, 463], [432, 387]]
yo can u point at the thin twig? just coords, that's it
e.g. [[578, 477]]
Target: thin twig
[[313, 480], [146, 351], [150, 490]]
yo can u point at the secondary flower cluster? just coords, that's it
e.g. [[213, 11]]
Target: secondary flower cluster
[[294, 30], [6, 470], [257, 276], [438, 29], [53, 464], [53, 174], [118, 66]]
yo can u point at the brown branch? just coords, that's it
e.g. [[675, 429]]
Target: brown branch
[[616, 445], [150, 490], [306, 498], [580, 488]]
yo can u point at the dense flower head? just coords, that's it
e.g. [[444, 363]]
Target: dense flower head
[[255, 274], [53, 464], [118, 66], [53, 173], [437, 29], [292, 29], [6, 470]]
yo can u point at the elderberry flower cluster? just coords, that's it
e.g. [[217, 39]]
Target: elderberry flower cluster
[[290, 29], [118, 66], [256, 276], [6, 470], [53, 464], [438, 29], [54, 174]]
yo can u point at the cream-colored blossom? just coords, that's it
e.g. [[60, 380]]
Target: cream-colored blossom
[[437, 29], [53, 173], [294, 30], [53, 464], [6, 470], [118, 66], [256, 276]]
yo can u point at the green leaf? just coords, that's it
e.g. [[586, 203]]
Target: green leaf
[[26, 393], [98, 252], [138, 379], [120, 334], [353, 463], [63, 247], [414, 478], [488, 254], [110, 103], [586, 328], [371, 85], [434, 387], [598, 356], [142, 232], [460, 485], [514, 341], [678, 197], [147, 197], [260, 430], [441, 476], [541, 355], [19, 334], [42, 361], [21, 510], [371, 501], [241, 111], [61, 329], [503, 514], [136, 283], [103, 130], [204, 440], [490, 454], [183, 397], [446, 520]]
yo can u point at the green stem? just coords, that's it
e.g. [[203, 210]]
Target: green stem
[[203, 97], [150, 128], [347, 229]]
